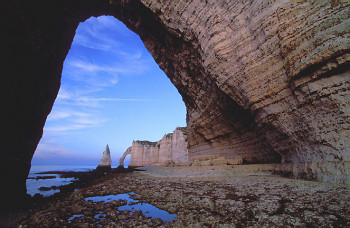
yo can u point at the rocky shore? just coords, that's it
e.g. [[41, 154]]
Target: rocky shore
[[203, 196], [81, 179]]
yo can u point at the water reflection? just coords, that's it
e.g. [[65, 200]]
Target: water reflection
[[34, 185], [132, 205], [73, 217]]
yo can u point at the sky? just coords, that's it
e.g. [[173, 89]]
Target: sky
[[112, 92]]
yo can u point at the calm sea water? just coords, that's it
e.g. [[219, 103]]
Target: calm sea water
[[33, 185], [44, 168]]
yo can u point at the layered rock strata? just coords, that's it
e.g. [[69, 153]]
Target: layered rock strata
[[263, 81], [171, 148], [106, 161]]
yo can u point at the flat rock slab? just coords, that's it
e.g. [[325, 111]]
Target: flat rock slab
[[254, 198], [212, 171]]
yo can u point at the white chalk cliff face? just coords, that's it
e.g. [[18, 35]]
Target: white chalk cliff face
[[171, 148], [106, 160]]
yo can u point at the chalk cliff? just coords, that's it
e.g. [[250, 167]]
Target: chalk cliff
[[171, 148], [262, 80], [106, 160]]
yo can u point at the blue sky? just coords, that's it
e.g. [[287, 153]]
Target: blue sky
[[112, 92]]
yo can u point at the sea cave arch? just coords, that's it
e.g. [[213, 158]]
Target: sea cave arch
[[252, 87], [126, 155], [108, 76]]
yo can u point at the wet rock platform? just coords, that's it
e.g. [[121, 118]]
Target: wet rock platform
[[200, 197]]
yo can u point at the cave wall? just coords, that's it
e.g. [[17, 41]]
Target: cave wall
[[267, 80], [30, 69], [264, 81]]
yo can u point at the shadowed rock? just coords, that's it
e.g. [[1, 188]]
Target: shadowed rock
[[267, 81]]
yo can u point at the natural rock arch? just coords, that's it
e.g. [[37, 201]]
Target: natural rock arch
[[122, 158], [263, 80]]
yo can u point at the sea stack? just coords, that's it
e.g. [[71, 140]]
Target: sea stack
[[106, 160]]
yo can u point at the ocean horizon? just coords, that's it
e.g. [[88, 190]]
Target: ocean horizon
[[34, 185], [44, 168]]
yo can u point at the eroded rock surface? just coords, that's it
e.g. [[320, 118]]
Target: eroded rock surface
[[106, 161], [171, 148], [122, 158], [263, 81], [274, 84], [204, 197]]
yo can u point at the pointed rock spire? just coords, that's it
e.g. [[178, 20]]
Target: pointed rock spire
[[106, 160]]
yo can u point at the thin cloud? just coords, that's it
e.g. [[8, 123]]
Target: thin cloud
[[109, 22], [123, 60], [63, 94], [94, 75], [108, 99], [120, 68], [88, 42], [77, 99], [95, 34], [87, 122], [69, 118], [55, 153], [90, 102], [76, 125], [63, 128], [98, 75], [58, 115], [47, 148], [104, 44], [99, 34], [64, 113], [69, 93]]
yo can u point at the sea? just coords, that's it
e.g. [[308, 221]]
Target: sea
[[34, 185]]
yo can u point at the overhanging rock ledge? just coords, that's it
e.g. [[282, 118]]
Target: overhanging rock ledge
[[266, 81]]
